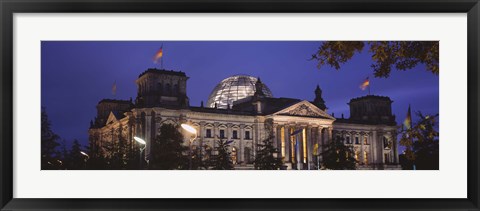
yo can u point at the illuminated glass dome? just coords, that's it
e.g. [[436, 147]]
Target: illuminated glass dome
[[234, 88]]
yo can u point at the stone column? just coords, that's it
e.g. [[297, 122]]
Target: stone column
[[215, 134], [278, 132], [201, 135], [287, 143], [372, 148], [320, 142], [299, 138], [253, 136], [380, 148], [242, 144], [148, 139], [309, 147], [330, 130], [362, 153], [158, 124], [395, 148]]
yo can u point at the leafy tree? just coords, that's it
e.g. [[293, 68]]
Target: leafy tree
[[122, 157], [338, 156], [49, 143], [421, 142], [200, 158], [402, 55], [266, 158], [167, 150], [221, 160], [76, 160]]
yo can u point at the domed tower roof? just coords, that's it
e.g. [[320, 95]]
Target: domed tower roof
[[234, 88]]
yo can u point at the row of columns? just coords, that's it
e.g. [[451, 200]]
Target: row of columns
[[297, 151]]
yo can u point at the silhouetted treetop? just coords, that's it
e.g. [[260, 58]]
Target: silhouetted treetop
[[402, 55]]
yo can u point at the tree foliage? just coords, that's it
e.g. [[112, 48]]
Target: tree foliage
[[167, 150], [402, 55], [421, 142], [49, 143], [338, 156], [221, 158], [75, 159], [267, 156]]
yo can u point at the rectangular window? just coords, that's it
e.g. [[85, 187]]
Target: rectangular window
[[356, 140], [222, 133], [365, 140], [348, 140], [247, 134], [209, 133], [234, 135]]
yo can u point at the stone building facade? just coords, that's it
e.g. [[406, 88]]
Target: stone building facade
[[162, 99]]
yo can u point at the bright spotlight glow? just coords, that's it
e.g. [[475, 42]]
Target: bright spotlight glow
[[189, 128], [83, 153], [139, 140]]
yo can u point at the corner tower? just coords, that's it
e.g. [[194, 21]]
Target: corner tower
[[372, 109], [162, 88]]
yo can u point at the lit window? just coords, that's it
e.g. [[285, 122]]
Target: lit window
[[233, 155], [247, 134], [222, 133], [365, 140], [234, 135], [209, 133], [356, 155]]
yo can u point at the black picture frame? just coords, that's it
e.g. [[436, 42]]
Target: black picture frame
[[10, 7]]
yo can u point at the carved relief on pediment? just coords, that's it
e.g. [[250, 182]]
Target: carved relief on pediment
[[303, 110]]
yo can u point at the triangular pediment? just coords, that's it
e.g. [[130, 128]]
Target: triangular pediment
[[111, 118], [304, 109]]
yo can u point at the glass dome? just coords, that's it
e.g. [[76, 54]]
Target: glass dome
[[234, 88]]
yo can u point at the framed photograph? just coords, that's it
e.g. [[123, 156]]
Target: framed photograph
[[257, 105]]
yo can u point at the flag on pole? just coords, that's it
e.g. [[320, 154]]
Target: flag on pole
[[365, 84], [408, 120], [158, 55], [114, 88]]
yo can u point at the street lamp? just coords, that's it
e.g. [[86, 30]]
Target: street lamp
[[144, 143], [86, 158], [192, 130]]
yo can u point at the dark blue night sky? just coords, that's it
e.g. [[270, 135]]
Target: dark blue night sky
[[76, 75]]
